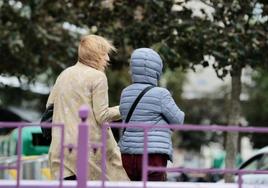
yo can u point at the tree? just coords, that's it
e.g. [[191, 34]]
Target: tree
[[33, 39], [236, 37]]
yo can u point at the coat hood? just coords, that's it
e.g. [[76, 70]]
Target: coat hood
[[146, 66]]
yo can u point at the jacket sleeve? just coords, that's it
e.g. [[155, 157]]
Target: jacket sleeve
[[170, 110], [100, 102]]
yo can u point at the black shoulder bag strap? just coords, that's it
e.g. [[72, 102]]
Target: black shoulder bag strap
[[130, 112]]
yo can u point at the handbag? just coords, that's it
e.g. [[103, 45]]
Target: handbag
[[47, 118]]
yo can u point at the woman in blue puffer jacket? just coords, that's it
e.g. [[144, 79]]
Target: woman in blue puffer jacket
[[156, 107]]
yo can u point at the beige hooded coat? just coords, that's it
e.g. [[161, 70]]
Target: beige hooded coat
[[76, 86]]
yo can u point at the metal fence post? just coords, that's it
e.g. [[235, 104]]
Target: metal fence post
[[103, 154], [145, 158], [19, 151], [82, 148], [240, 181]]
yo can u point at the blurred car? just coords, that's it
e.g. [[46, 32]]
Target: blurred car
[[33, 142], [259, 161]]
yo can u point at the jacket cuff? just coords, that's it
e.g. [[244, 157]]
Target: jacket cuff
[[114, 113]]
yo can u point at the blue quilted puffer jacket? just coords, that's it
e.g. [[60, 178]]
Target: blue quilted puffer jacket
[[146, 69]]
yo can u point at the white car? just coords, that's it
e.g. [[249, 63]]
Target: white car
[[259, 161]]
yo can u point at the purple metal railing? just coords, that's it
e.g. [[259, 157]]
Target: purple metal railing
[[82, 150], [20, 125], [211, 128]]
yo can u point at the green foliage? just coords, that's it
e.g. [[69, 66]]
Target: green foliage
[[237, 36], [33, 40]]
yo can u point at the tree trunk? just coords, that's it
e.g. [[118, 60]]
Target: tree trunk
[[234, 120]]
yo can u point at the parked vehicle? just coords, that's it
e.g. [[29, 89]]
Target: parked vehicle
[[258, 161], [32, 142]]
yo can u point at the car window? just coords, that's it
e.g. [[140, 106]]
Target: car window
[[251, 166], [253, 163], [263, 164]]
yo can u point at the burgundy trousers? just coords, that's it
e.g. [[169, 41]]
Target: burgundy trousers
[[133, 165]]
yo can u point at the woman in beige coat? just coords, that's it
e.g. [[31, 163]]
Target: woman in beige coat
[[85, 83]]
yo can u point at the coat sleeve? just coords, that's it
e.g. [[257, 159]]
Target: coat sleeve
[[100, 102], [170, 110]]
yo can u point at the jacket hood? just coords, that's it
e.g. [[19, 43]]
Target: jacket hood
[[146, 66]]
